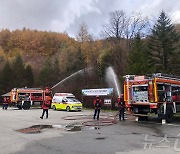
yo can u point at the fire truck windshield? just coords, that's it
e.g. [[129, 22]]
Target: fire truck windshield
[[140, 88], [140, 93]]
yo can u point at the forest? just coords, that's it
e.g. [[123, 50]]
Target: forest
[[130, 44]]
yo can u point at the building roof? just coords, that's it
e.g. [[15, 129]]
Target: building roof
[[6, 95]]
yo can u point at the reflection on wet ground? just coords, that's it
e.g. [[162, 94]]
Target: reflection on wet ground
[[34, 129], [100, 138], [88, 123], [77, 127], [71, 127]]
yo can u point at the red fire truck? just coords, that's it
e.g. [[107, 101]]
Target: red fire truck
[[157, 93], [27, 97]]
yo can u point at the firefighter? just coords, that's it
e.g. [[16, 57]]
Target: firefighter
[[27, 97], [8, 101], [5, 103], [45, 107], [97, 107], [121, 107]]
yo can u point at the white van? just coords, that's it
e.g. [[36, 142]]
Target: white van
[[65, 101]]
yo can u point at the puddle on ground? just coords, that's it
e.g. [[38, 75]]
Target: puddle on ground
[[100, 138], [75, 127], [91, 128], [35, 129]]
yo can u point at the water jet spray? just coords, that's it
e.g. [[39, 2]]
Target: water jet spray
[[112, 79]]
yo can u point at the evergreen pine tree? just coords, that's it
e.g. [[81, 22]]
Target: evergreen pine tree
[[138, 62], [18, 70], [6, 78], [45, 76], [176, 61], [29, 77], [162, 44]]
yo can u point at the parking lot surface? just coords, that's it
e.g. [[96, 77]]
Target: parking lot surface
[[22, 131]]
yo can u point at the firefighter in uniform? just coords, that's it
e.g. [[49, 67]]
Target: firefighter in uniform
[[5, 103], [121, 107], [97, 107], [45, 107]]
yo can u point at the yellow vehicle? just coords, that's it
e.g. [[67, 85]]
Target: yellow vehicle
[[65, 101]]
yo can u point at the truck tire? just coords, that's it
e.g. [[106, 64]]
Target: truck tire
[[169, 116], [26, 105], [19, 106]]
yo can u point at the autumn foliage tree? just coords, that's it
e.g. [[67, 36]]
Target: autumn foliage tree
[[41, 58]]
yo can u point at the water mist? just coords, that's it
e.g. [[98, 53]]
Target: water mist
[[112, 80], [88, 69]]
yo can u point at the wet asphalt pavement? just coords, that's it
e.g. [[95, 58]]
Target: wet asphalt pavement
[[71, 137], [122, 137]]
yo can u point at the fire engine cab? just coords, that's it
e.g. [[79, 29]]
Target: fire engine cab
[[157, 93], [27, 97]]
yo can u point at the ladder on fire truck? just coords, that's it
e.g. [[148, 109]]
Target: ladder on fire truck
[[166, 76]]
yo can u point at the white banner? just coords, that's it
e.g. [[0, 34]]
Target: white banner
[[95, 92]]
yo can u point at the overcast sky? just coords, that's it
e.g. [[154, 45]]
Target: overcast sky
[[67, 15]]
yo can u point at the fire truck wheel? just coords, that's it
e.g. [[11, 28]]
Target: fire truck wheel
[[54, 107], [19, 107], [26, 105], [67, 108], [169, 114]]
